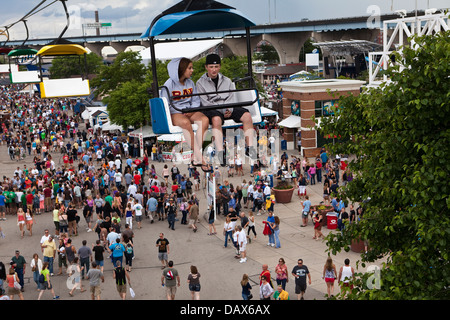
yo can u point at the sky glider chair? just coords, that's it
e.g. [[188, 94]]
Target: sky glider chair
[[68, 87], [16, 76], [185, 18]]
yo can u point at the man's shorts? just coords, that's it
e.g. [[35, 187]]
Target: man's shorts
[[95, 290], [121, 288], [299, 288], [162, 256], [171, 290], [236, 115]]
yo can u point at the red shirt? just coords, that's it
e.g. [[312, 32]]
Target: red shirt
[[27, 183], [29, 197], [47, 192], [137, 179]]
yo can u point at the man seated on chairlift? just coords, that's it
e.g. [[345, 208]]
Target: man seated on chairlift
[[213, 81]]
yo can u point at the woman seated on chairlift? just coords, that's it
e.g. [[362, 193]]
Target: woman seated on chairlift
[[180, 71]]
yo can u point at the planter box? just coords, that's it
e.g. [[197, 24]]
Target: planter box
[[283, 195]]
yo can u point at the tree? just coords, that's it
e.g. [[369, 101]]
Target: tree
[[308, 47], [400, 135], [67, 66], [126, 67], [268, 54], [128, 104]]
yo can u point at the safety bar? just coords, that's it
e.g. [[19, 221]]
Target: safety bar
[[214, 107]]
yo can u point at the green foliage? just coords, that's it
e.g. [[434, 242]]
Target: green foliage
[[267, 54], [308, 47], [64, 67], [126, 67], [400, 136], [128, 105]]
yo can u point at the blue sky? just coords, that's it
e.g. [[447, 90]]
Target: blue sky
[[134, 16]]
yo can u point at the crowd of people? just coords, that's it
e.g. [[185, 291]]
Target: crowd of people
[[76, 169]]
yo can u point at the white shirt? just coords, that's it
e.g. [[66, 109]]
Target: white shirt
[[242, 238], [44, 238], [250, 190], [118, 177], [138, 209], [132, 189]]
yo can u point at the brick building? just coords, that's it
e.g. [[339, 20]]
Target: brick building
[[311, 98]]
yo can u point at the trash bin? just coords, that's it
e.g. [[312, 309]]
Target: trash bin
[[283, 145], [332, 218]]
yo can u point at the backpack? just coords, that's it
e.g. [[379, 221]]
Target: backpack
[[129, 249]]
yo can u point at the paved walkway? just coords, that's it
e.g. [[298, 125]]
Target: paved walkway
[[220, 271]]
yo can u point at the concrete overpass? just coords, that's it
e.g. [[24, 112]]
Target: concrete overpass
[[286, 38]]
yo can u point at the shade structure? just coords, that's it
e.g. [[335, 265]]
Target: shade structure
[[5, 50], [291, 122], [266, 112], [62, 49], [197, 21], [145, 131], [22, 52], [175, 137]]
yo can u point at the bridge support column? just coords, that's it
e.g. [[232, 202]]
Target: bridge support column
[[288, 45], [119, 46], [95, 48], [238, 46]]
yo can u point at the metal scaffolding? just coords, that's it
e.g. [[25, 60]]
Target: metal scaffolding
[[403, 29]]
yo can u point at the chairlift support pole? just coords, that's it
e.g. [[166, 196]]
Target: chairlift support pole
[[153, 61]]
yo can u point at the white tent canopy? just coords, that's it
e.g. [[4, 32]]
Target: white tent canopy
[[266, 112], [171, 137], [107, 126], [291, 122], [171, 50], [146, 131]]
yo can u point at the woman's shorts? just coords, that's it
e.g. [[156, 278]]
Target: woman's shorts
[[194, 287]]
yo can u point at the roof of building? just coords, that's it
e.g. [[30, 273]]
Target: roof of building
[[285, 70]]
